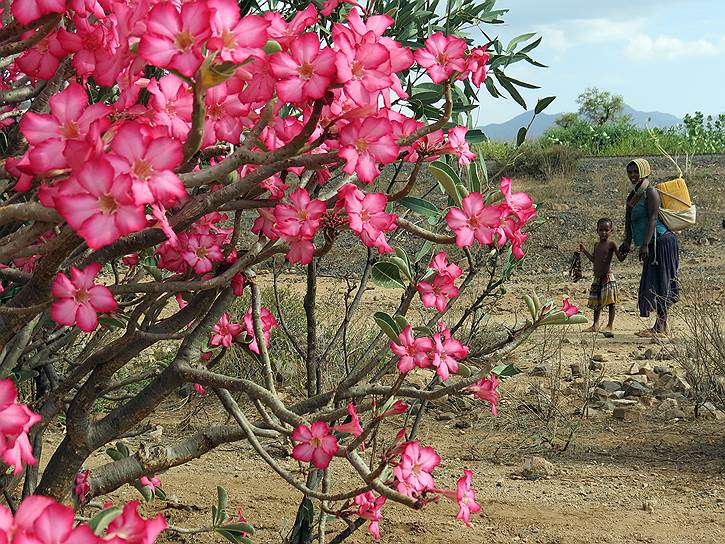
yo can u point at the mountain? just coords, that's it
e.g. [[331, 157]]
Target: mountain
[[507, 131]]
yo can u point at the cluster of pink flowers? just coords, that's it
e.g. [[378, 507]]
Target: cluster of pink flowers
[[440, 287], [43, 520], [487, 389], [441, 351], [15, 423], [414, 471], [199, 248], [495, 224], [369, 508]]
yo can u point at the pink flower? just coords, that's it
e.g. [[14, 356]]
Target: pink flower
[[437, 293], [98, 205], [224, 332], [27, 11], [284, 32], [238, 284], [171, 102], [201, 251], [466, 498], [53, 137], [42, 520], [352, 427], [399, 407], [458, 145], [150, 162], [235, 37], [367, 216], [520, 204], [412, 351], [305, 72], [81, 487], [15, 423], [265, 224], [369, 508], [200, 390], [79, 299], [568, 308], [363, 69], [487, 389], [131, 528], [443, 55], [268, 322], [415, 468], [440, 264], [473, 221], [315, 444], [364, 143], [446, 353], [131, 260], [153, 482], [174, 39], [476, 64]]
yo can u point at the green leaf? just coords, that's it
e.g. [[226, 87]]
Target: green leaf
[[577, 319], [504, 81], [239, 528], [231, 537], [403, 266], [419, 206], [102, 519], [543, 103], [520, 136], [473, 181], [505, 371], [423, 331], [448, 179], [114, 454], [111, 322], [387, 275], [121, 447], [475, 136], [519, 39], [222, 497], [387, 324], [401, 321], [424, 250]]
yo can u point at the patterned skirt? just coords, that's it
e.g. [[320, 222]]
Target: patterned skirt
[[603, 292], [658, 286]]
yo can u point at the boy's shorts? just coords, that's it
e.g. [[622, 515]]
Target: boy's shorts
[[603, 292]]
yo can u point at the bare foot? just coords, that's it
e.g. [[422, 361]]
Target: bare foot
[[593, 328]]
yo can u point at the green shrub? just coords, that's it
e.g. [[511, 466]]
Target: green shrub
[[543, 162]]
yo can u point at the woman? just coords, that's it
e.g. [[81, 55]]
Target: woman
[[658, 249]]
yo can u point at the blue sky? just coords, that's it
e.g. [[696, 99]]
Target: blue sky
[[660, 55]]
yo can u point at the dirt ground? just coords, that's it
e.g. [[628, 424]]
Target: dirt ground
[[655, 480]]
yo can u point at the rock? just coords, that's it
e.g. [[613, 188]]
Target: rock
[[667, 407], [462, 425], [648, 505], [710, 411], [659, 369], [600, 358], [539, 371], [645, 368], [624, 402], [536, 467], [567, 340], [446, 416], [633, 369], [626, 413], [647, 401], [610, 385], [576, 370], [650, 353], [639, 378], [635, 389]]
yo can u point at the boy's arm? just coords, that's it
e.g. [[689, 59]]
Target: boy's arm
[[621, 255], [584, 250]]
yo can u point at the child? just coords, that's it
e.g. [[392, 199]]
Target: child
[[603, 291]]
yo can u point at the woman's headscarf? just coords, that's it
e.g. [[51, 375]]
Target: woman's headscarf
[[643, 167]]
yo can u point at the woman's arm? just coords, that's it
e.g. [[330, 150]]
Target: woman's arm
[[653, 208]]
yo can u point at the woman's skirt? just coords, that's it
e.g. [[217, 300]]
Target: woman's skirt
[[658, 286]]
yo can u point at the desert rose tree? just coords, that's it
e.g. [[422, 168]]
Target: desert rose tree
[[159, 155]]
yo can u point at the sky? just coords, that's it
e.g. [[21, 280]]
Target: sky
[[660, 55]]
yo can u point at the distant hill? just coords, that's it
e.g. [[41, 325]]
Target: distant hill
[[507, 131]]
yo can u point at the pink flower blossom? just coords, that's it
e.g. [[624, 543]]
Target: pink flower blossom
[[131, 528], [303, 215], [446, 353], [367, 216], [53, 137], [174, 39], [314, 444], [442, 56], [399, 407], [235, 37], [520, 204], [152, 482], [79, 299], [440, 264], [98, 205], [150, 162], [411, 351], [171, 103], [369, 508], [568, 308], [476, 64], [437, 293], [201, 251], [364, 144], [458, 145], [473, 221], [81, 487], [27, 11], [305, 72], [15, 423], [466, 498], [42, 520], [200, 390], [285, 33], [352, 427], [487, 389], [238, 283], [131, 260], [224, 332], [268, 322], [415, 468]]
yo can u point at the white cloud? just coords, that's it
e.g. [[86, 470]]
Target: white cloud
[[646, 48], [567, 34]]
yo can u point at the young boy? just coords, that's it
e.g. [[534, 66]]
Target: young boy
[[603, 291]]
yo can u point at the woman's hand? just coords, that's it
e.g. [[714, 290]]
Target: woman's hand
[[643, 253], [624, 248]]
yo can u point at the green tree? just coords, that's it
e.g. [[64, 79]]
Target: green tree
[[567, 120], [599, 107]]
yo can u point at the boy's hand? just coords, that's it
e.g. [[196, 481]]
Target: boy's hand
[[624, 248]]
